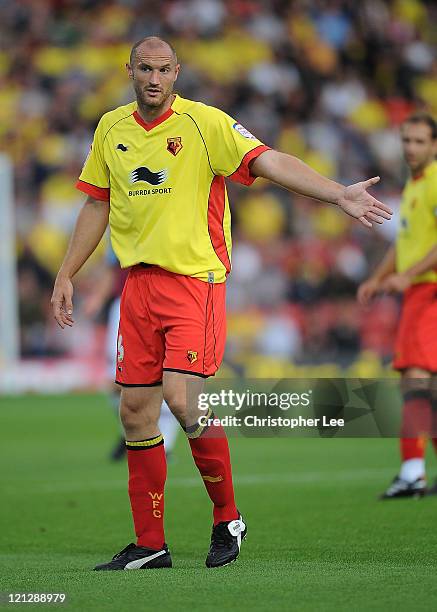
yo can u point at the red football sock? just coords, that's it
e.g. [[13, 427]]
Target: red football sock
[[413, 448], [211, 454], [147, 475], [416, 425]]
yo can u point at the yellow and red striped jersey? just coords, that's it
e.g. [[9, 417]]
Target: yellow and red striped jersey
[[165, 182]]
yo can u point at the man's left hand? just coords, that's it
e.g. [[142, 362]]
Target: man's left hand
[[356, 202], [396, 283]]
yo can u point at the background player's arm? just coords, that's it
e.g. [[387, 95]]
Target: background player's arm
[[101, 292], [89, 229], [400, 282], [372, 285], [295, 175]]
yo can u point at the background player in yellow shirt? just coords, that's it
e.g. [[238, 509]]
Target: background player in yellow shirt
[[410, 267], [157, 172]]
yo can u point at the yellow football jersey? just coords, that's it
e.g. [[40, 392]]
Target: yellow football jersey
[[165, 182], [417, 233]]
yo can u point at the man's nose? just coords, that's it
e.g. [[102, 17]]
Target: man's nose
[[154, 77]]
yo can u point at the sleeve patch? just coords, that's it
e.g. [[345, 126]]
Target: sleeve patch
[[242, 130]]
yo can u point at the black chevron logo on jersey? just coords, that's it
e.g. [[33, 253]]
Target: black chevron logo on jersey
[[146, 175]]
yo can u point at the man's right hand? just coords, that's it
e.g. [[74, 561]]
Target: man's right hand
[[367, 290], [62, 302]]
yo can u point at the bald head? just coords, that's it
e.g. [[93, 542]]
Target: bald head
[[153, 69], [155, 45]]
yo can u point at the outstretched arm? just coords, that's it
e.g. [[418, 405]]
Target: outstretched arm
[[295, 175], [89, 229]]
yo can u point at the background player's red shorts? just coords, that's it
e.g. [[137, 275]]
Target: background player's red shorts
[[169, 322], [416, 341]]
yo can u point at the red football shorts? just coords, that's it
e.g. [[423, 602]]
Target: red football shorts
[[169, 322], [416, 340]]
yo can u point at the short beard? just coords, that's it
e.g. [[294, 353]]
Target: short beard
[[152, 104], [419, 167]]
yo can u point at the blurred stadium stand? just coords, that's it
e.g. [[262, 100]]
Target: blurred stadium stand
[[327, 80]]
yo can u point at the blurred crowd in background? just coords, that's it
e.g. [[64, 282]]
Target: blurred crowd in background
[[327, 80]]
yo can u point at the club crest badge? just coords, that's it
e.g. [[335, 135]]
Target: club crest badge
[[192, 356], [174, 145]]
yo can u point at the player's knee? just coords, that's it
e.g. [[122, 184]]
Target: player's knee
[[178, 405], [130, 405], [433, 391], [133, 412], [132, 420], [416, 383]]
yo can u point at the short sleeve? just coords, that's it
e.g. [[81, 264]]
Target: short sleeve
[[432, 197], [231, 147], [94, 178]]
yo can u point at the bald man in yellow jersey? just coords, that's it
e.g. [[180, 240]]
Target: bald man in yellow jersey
[[156, 171], [410, 267]]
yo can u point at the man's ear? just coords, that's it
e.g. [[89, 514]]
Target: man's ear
[[178, 66], [130, 72]]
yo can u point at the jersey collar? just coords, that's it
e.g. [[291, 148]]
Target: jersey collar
[[430, 168], [418, 177], [149, 126]]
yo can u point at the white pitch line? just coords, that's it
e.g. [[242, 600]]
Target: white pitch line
[[239, 480]]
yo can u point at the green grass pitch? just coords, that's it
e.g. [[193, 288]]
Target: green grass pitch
[[318, 539]]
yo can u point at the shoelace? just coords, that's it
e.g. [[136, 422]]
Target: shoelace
[[221, 537], [118, 555]]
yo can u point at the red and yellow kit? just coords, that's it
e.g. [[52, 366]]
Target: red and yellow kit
[[416, 342], [169, 208], [165, 182]]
